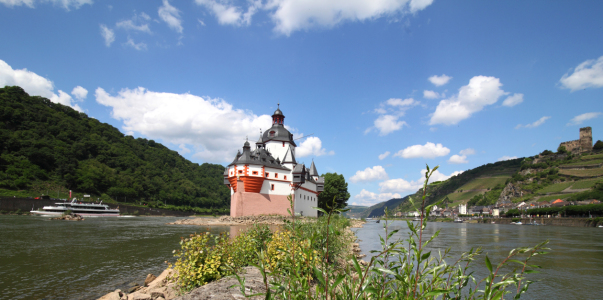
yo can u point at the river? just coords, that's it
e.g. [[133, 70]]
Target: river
[[572, 269], [44, 259]]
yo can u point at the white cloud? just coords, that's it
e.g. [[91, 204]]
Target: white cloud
[[577, 120], [228, 14], [137, 46], [66, 4], [390, 112], [369, 174], [400, 185], [293, 15], [80, 93], [311, 146], [458, 159], [431, 94], [513, 100], [468, 151], [387, 124], [588, 74], [384, 155], [183, 149], [107, 34], [33, 84], [171, 16], [429, 150], [481, 91], [139, 22], [367, 198], [506, 157], [213, 128], [439, 80], [533, 125]]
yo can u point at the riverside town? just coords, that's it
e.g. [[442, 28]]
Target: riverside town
[[300, 149]]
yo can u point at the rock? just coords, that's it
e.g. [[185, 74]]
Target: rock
[[155, 295], [149, 279], [134, 289], [363, 263], [141, 297], [111, 296], [160, 298]]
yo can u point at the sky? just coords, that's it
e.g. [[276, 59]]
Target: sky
[[374, 89]]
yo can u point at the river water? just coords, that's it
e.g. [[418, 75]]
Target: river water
[[44, 259], [572, 269]]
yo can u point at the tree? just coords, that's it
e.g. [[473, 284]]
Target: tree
[[561, 150], [546, 152], [598, 145], [335, 188]]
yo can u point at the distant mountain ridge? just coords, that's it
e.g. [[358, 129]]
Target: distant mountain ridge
[[438, 190], [48, 146]]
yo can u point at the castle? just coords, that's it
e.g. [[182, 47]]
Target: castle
[[584, 144], [260, 180]]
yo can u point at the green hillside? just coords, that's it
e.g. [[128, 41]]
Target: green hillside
[[49, 147], [355, 211], [482, 178]]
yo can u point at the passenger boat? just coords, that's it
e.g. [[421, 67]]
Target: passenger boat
[[458, 220], [82, 209]]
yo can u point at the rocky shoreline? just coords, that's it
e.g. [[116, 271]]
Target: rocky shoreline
[[161, 288], [70, 217]]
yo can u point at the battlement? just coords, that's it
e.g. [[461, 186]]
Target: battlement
[[584, 144]]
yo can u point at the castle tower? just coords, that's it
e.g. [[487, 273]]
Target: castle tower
[[586, 139], [278, 140]]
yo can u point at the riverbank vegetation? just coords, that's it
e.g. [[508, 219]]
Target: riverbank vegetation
[[48, 148], [311, 261]]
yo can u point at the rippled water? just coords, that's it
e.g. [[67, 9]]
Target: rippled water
[[572, 270], [44, 259]]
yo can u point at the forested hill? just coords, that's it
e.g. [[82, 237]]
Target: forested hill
[[48, 146]]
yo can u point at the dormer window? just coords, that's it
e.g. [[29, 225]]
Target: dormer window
[[271, 133]]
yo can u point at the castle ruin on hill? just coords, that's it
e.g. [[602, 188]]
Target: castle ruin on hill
[[584, 144]]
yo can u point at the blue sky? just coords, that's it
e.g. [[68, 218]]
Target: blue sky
[[384, 86]]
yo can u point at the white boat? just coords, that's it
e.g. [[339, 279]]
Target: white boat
[[517, 223], [458, 220], [82, 209]]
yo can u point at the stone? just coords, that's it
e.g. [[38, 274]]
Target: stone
[[141, 297], [111, 296], [134, 289], [149, 279], [155, 295]]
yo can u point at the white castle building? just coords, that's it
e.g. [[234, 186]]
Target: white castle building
[[260, 180]]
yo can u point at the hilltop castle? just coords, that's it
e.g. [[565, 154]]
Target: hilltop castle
[[584, 144], [260, 180]]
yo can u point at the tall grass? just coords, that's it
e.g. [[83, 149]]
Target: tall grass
[[312, 261]]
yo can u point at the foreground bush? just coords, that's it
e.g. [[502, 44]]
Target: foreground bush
[[308, 261]]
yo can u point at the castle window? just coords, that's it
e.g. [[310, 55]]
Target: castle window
[[275, 175], [267, 174], [272, 187], [285, 177], [283, 144], [271, 133], [255, 172], [240, 172]]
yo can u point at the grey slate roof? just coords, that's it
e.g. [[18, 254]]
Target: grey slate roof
[[259, 156], [280, 134], [289, 157], [313, 171]]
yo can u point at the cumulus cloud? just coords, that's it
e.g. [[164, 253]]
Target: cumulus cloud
[[171, 16], [384, 155], [33, 84], [66, 4], [481, 91], [429, 150], [533, 125], [212, 127], [513, 100], [390, 112], [79, 93], [458, 159], [139, 22], [577, 120], [369, 174], [431, 94], [468, 151], [588, 74], [367, 198], [107, 34], [506, 157], [138, 46], [228, 14], [439, 80], [400, 185], [311, 146]]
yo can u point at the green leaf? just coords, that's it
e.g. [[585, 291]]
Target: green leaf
[[435, 293], [488, 264]]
